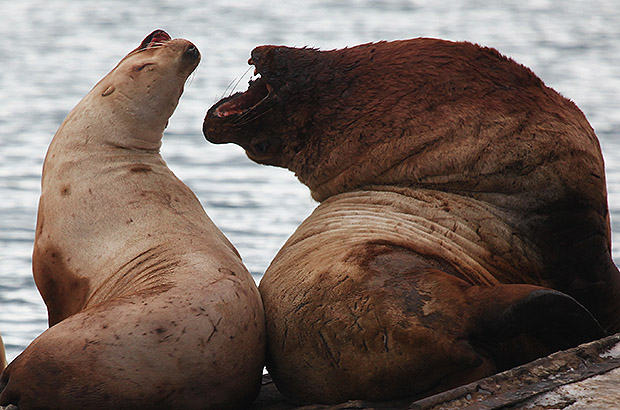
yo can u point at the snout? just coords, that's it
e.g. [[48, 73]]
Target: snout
[[190, 56], [191, 52]]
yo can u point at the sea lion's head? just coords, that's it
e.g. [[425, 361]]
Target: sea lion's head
[[423, 113], [142, 91]]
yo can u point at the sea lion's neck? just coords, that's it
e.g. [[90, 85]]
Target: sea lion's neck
[[99, 123], [480, 150]]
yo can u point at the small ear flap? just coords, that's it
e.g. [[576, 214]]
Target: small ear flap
[[533, 320]]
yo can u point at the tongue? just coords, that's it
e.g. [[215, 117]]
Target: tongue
[[156, 37]]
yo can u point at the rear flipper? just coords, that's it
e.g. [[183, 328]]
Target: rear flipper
[[514, 324]]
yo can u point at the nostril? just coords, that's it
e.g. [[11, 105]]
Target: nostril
[[192, 51]]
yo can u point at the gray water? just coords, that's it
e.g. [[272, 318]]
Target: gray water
[[51, 55]]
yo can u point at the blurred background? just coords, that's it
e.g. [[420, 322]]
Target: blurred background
[[52, 53]]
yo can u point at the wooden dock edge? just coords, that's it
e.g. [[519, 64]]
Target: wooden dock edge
[[584, 377], [591, 370]]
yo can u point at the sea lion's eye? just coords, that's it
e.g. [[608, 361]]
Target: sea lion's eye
[[142, 66], [261, 147]]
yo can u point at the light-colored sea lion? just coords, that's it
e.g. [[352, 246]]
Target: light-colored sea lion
[[463, 225], [150, 306]]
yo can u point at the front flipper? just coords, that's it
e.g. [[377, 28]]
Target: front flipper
[[516, 322]]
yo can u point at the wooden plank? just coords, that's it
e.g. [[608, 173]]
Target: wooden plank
[[587, 376], [597, 362]]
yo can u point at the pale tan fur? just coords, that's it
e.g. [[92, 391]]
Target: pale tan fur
[[151, 305]]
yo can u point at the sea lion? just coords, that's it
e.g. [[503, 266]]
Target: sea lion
[[150, 306], [463, 226]]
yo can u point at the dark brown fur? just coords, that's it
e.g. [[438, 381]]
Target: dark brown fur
[[494, 156]]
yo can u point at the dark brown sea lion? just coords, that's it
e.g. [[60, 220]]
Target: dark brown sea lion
[[463, 225], [150, 306]]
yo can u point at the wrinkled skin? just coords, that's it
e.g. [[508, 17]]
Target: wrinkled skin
[[149, 305], [463, 226]]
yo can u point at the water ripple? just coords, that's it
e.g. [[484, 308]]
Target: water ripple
[[52, 55]]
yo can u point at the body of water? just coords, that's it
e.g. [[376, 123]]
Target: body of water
[[52, 53]]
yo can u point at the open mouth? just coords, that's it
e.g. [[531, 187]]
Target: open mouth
[[241, 102], [155, 39]]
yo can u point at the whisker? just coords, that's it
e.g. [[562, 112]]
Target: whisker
[[244, 115], [190, 79], [240, 78], [227, 87], [236, 84], [246, 121]]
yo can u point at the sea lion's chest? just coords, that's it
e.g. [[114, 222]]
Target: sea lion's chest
[[103, 208]]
